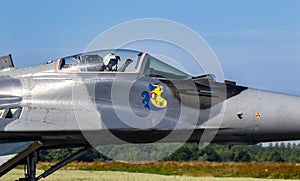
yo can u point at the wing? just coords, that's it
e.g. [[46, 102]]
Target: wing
[[13, 152]]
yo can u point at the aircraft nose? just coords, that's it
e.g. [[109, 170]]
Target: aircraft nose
[[280, 113]]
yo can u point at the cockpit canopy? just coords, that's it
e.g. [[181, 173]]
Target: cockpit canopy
[[105, 60], [120, 61]]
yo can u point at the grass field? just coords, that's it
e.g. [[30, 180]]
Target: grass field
[[79, 175], [206, 171], [268, 170]]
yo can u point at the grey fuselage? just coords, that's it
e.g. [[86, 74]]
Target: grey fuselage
[[64, 109]]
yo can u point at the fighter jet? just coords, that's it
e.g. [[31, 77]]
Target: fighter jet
[[124, 96]]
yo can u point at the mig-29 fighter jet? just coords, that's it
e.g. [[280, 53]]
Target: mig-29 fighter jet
[[123, 96]]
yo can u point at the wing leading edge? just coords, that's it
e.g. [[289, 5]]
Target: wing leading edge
[[12, 152]]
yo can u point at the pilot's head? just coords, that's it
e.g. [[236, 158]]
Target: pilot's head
[[110, 62]]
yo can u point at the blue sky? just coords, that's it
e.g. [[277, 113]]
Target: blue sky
[[257, 42]]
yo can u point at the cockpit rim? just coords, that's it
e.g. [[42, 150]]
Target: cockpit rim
[[140, 70]]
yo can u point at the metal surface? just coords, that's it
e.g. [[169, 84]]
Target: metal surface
[[12, 153], [74, 102]]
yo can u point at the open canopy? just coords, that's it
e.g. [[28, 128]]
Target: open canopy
[[103, 61], [120, 61]]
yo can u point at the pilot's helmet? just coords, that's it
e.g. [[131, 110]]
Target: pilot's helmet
[[110, 62]]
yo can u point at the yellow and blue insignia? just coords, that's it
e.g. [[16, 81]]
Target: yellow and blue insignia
[[153, 100]]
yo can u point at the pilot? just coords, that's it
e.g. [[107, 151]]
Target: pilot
[[110, 62]]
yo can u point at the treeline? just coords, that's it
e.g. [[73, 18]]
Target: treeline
[[222, 153], [188, 152]]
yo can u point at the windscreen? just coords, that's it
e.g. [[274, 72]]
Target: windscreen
[[158, 69]]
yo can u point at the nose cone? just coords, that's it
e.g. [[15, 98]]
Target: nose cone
[[280, 115]]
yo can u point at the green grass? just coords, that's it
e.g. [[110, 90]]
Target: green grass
[[79, 175], [269, 170], [168, 171]]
